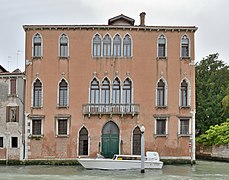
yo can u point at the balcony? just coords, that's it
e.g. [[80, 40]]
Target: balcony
[[110, 109]]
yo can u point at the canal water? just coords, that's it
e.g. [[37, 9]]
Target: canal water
[[202, 170]]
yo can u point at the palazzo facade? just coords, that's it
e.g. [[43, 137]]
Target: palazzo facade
[[89, 89]]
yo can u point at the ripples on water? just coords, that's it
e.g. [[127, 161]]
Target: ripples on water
[[203, 170]]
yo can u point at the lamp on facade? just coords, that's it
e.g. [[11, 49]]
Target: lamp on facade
[[142, 129]]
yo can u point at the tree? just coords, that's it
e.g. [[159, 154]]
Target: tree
[[215, 135], [225, 103], [212, 81]]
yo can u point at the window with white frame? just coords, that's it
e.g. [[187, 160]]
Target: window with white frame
[[97, 45], [63, 46], [63, 93], [127, 95], [94, 92], [37, 93], [106, 45], [37, 129], [127, 46], [184, 94], [62, 127], [161, 126], [184, 126], [116, 92], [126, 92], [105, 93], [185, 46], [37, 45], [117, 45], [161, 46], [160, 93], [83, 141]]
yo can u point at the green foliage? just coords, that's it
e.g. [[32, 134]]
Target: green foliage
[[212, 82], [225, 103], [216, 135]]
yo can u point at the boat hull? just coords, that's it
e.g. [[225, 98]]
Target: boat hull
[[110, 164]]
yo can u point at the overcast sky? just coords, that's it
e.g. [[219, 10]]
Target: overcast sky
[[210, 16]]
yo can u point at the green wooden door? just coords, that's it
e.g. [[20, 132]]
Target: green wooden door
[[110, 140]]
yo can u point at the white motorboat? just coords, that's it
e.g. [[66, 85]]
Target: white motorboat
[[121, 162]]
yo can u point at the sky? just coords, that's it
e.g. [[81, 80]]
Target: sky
[[210, 16]]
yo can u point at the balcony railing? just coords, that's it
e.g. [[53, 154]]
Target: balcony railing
[[120, 109]]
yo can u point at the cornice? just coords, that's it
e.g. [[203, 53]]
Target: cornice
[[107, 27]]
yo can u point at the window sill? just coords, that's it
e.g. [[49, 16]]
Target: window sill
[[185, 58], [160, 135], [161, 107], [12, 95], [184, 135], [36, 107], [37, 58], [64, 57], [162, 58], [185, 107], [63, 136], [62, 107], [12, 122], [36, 137]]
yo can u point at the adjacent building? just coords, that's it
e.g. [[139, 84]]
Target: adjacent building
[[11, 114], [89, 89]]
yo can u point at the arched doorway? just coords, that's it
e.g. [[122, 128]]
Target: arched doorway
[[83, 141], [110, 139], [137, 141]]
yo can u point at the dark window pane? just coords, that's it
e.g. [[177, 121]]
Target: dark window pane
[[161, 126], [63, 91], [62, 126], [83, 142], [137, 141], [37, 93], [14, 142], [1, 142], [36, 127], [37, 45]]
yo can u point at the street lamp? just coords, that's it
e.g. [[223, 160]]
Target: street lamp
[[142, 129]]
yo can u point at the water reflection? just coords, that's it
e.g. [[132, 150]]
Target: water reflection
[[203, 170]]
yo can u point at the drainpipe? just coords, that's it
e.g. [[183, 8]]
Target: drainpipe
[[23, 121], [193, 155]]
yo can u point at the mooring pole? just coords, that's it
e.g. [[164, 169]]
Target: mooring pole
[[142, 129]]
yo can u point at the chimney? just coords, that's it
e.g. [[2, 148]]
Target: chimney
[[142, 19]]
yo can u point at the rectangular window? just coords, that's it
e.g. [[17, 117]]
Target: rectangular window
[[12, 113], [14, 142], [62, 127], [13, 86], [36, 126], [1, 142], [161, 127], [184, 126]]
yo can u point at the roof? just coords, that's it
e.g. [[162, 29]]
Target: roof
[[121, 20], [2, 69]]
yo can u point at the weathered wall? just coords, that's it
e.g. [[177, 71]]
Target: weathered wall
[[220, 152]]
